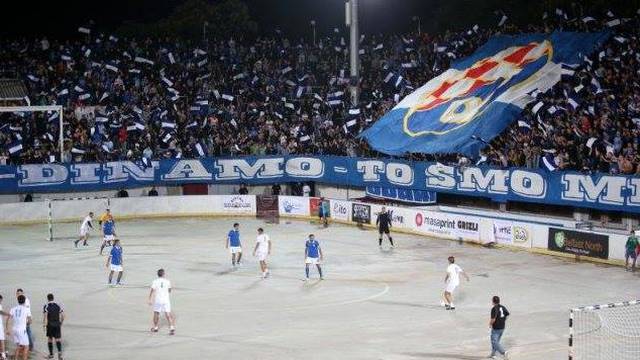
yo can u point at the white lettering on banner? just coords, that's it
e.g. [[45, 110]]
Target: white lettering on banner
[[119, 171], [528, 184], [234, 169], [634, 187], [187, 170], [370, 169], [305, 167], [49, 174], [85, 173], [440, 177], [495, 181], [608, 190], [399, 174]]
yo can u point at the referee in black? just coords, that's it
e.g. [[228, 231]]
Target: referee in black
[[383, 221], [52, 319]]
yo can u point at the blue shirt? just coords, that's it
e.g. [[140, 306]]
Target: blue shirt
[[116, 255], [313, 248], [324, 208], [234, 238], [108, 227]]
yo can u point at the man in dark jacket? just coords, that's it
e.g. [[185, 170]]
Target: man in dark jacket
[[383, 221]]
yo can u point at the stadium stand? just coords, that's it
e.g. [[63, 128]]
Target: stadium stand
[[164, 97]]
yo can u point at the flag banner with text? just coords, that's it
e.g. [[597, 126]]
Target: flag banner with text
[[598, 191]]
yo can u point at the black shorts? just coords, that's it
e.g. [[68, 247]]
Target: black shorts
[[54, 332], [383, 230]]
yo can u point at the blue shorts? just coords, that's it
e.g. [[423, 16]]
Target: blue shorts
[[631, 254]]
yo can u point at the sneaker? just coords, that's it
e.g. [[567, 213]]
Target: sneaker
[[155, 329], [305, 279], [48, 357], [321, 277], [505, 355], [447, 307], [492, 357], [75, 243], [452, 307], [172, 332], [60, 357], [442, 303]]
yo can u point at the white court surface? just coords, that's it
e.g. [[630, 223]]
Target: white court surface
[[373, 304]]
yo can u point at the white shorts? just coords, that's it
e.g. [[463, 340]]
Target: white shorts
[[262, 256], [235, 249], [450, 288], [116, 268], [84, 232], [108, 238], [21, 338], [162, 308], [312, 260]]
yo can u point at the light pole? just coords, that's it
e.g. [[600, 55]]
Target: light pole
[[204, 31], [417, 19], [351, 17], [313, 28]]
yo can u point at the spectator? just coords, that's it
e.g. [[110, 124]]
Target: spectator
[[123, 193], [153, 192], [243, 189], [275, 189], [28, 198]]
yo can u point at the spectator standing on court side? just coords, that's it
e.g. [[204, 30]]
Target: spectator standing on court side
[[497, 324], [631, 251]]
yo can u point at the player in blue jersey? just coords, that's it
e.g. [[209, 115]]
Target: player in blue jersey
[[233, 244], [323, 211], [313, 255], [109, 231], [114, 262]]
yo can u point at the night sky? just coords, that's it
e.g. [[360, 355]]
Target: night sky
[[55, 19], [62, 18]]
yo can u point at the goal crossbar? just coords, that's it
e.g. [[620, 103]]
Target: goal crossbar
[[603, 327]]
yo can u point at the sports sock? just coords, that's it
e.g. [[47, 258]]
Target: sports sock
[[59, 345], [380, 241], [306, 271], [50, 345], [391, 240], [319, 270]]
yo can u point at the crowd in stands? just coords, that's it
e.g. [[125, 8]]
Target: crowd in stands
[[167, 98]]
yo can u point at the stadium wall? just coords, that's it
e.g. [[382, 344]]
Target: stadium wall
[[556, 238]]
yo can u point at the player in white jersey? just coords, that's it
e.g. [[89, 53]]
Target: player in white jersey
[[27, 304], [159, 299], [3, 314], [84, 230], [452, 280], [262, 251], [20, 317]]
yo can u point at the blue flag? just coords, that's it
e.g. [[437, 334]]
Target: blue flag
[[479, 96]]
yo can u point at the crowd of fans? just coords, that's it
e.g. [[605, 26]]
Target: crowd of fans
[[166, 97]]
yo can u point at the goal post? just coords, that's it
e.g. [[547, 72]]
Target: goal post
[[42, 108], [72, 210], [605, 332]]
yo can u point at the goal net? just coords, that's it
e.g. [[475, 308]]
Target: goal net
[[605, 332], [64, 215]]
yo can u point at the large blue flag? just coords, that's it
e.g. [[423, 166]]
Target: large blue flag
[[479, 96]]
